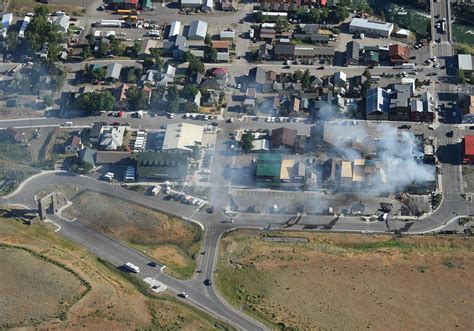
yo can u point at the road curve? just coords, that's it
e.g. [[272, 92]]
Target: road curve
[[204, 297]]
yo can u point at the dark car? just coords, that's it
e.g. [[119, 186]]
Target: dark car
[[210, 210], [152, 264], [208, 282], [167, 197], [471, 128], [449, 134], [214, 124], [404, 127]]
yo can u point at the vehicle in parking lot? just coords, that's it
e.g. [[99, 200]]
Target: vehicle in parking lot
[[404, 127], [449, 134]]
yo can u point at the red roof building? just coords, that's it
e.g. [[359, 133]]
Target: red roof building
[[398, 53], [469, 149]]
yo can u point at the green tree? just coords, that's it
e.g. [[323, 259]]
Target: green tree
[[187, 57], [103, 48], [461, 76], [189, 91], [207, 39], [297, 75], [156, 55], [116, 46], [306, 79], [48, 100], [135, 48], [281, 24], [324, 13], [137, 99], [131, 77], [97, 101], [86, 53], [211, 55], [148, 64], [195, 66], [99, 73], [314, 15], [341, 12], [247, 142], [367, 74], [12, 40]]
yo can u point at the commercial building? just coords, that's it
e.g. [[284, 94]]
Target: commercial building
[[229, 5], [468, 142], [400, 102], [422, 110], [381, 29], [467, 108], [182, 138], [197, 30], [6, 22], [285, 51], [466, 64], [292, 173], [191, 3], [268, 170], [377, 104], [175, 29], [352, 53], [111, 137], [162, 166], [398, 53], [283, 138], [123, 4]]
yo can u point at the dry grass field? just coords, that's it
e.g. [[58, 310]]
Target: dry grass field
[[169, 240], [342, 281], [34, 289], [26, 6], [112, 303]]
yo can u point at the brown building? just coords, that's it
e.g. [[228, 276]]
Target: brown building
[[283, 138], [398, 53]]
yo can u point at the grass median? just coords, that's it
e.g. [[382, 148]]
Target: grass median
[[166, 239]]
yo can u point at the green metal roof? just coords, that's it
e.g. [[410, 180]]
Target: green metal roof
[[269, 164], [162, 165]]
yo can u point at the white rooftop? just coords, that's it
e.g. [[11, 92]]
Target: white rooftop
[[465, 62], [363, 23], [182, 136]]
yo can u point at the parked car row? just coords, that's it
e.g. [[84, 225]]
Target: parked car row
[[185, 199]]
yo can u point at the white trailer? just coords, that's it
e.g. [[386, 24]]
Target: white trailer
[[111, 23], [132, 267], [25, 23]]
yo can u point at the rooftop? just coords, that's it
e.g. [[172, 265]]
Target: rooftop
[[469, 145], [182, 136], [465, 62]]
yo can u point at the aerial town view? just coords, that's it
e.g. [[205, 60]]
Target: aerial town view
[[237, 164]]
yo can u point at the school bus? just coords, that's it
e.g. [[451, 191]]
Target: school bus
[[130, 18], [126, 12]]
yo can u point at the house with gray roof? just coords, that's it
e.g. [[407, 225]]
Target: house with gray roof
[[113, 71], [197, 30], [352, 53]]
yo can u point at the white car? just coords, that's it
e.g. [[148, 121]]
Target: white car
[[239, 86], [183, 295]]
